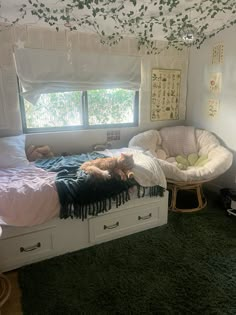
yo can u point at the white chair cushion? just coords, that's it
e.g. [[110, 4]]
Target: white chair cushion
[[205, 143], [179, 140], [147, 140]]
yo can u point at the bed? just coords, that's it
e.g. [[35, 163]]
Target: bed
[[30, 209]]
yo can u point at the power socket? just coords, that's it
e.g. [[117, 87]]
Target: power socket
[[113, 135]]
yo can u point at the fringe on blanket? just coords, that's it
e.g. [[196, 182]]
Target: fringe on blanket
[[153, 191], [82, 211]]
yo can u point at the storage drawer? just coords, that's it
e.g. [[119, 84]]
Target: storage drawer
[[113, 225], [26, 248]]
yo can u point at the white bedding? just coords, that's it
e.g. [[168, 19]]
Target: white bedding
[[28, 195], [23, 192]]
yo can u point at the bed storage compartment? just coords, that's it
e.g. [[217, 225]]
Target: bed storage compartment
[[127, 221], [15, 251], [20, 246]]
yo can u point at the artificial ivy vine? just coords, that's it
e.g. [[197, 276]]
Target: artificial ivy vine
[[134, 18]]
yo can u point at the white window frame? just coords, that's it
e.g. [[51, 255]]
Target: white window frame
[[85, 119]]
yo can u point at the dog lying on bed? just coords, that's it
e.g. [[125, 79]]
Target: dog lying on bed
[[105, 168]]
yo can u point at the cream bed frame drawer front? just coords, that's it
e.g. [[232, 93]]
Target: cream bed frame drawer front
[[107, 227], [28, 248], [22, 246]]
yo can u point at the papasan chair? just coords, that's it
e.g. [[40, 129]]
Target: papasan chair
[[188, 156]]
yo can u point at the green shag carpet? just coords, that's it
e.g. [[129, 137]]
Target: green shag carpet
[[185, 267]]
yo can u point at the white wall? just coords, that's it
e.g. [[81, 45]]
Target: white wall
[[81, 141], [10, 122], [224, 124]]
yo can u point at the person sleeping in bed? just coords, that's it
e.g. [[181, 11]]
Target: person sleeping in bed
[[105, 168]]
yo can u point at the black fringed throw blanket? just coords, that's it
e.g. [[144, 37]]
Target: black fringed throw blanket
[[80, 194]]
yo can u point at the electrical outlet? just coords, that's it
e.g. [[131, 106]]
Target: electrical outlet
[[113, 135], [233, 204]]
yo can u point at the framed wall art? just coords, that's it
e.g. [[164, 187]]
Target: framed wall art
[[165, 94]]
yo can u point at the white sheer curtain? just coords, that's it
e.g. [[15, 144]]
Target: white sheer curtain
[[47, 71]]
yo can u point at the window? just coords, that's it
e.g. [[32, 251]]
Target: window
[[81, 110]]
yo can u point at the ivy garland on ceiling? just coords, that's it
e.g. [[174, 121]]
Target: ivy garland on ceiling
[[136, 18]]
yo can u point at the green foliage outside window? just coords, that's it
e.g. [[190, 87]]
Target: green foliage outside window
[[110, 106], [54, 110], [66, 109]]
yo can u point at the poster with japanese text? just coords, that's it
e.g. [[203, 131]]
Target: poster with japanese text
[[165, 95]]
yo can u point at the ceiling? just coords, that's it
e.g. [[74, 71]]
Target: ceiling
[[212, 14]]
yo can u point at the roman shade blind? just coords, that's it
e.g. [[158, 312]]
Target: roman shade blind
[[46, 71]]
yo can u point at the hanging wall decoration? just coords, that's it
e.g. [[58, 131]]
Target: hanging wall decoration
[[165, 98], [215, 82], [182, 23], [213, 107], [217, 54]]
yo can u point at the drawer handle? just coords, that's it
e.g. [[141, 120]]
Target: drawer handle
[[113, 226], [30, 248], [145, 217]]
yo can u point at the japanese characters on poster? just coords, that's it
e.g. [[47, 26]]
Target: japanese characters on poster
[[165, 98], [218, 54]]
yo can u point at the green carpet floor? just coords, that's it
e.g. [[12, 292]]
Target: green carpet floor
[[185, 267]]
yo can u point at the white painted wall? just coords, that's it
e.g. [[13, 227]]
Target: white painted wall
[[224, 124]]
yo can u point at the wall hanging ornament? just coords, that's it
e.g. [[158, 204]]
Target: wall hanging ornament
[[215, 82], [218, 54], [165, 97], [213, 107], [180, 22]]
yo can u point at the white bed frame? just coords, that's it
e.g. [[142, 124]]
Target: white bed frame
[[20, 246]]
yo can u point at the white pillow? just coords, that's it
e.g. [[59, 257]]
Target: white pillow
[[147, 140], [12, 152]]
